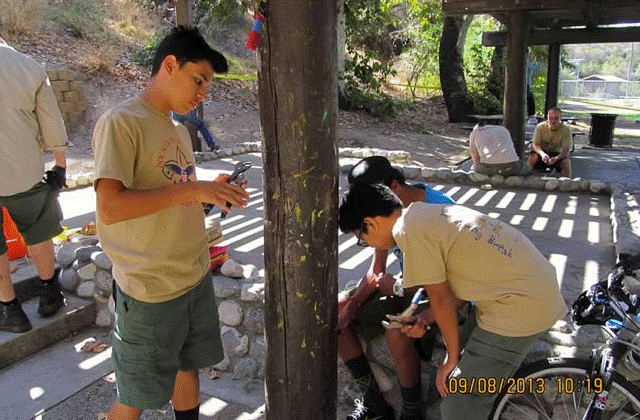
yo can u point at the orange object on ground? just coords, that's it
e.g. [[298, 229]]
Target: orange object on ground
[[16, 247]]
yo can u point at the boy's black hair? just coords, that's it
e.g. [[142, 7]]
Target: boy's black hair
[[363, 200], [188, 45], [375, 170]]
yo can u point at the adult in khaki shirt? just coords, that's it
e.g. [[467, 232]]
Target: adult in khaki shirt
[[458, 254], [551, 145], [31, 122]]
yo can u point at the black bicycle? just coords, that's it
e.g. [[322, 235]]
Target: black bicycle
[[578, 389]]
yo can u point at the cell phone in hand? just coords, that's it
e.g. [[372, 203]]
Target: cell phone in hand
[[236, 177]]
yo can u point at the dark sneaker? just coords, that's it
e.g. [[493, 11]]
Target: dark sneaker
[[362, 412], [416, 417], [13, 319], [51, 298]]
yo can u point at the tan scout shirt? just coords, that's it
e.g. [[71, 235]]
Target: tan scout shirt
[[30, 121], [552, 141], [163, 255], [485, 261]]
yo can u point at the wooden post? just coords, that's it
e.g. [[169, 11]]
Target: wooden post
[[184, 16], [553, 77], [184, 12], [516, 83], [297, 83]]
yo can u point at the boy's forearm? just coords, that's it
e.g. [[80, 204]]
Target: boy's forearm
[[379, 262], [445, 311], [117, 205]]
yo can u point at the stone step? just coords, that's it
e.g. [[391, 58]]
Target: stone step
[[71, 319]]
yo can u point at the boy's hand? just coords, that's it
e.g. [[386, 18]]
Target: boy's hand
[[413, 329], [442, 376], [56, 178], [347, 311], [385, 284], [418, 325], [221, 193]]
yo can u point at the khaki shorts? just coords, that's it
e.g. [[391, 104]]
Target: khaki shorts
[[36, 213], [153, 341]]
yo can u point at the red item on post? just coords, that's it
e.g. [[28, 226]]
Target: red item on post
[[256, 32]]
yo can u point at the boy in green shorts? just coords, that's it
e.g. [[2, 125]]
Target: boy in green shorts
[[458, 254], [31, 122], [151, 224]]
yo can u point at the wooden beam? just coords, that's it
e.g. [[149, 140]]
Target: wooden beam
[[516, 80], [184, 12], [464, 7], [297, 87], [568, 36], [553, 77]]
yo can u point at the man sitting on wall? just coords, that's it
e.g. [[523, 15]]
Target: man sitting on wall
[[551, 145]]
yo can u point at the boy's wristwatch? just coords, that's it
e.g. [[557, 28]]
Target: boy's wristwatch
[[398, 287]]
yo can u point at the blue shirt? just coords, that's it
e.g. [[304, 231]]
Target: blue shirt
[[432, 196]]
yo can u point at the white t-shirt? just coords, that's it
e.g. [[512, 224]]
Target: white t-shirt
[[493, 144]]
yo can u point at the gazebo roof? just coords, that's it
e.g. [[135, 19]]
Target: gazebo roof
[[554, 14]]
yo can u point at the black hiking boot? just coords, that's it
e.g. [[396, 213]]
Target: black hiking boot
[[51, 298], [13, 319], [362, 412]]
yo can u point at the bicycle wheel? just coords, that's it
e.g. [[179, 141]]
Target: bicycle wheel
[[562, 389]]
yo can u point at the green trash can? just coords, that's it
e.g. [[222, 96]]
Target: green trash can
[[601, 133]]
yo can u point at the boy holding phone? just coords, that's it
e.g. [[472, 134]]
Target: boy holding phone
[[150, 223]]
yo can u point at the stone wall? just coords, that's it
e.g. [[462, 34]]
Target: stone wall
[[69, 94]]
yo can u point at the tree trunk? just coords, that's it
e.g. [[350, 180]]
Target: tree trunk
[[184, 17], [298, 111], [454, 86], [495, 82], [343, 100]]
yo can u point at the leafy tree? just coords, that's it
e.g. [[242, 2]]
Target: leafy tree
[[370, 40]]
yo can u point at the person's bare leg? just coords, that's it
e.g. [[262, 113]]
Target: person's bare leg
[[186, 392], [533, 158], [405, 357], [565, 168], [42, 255], [122, 412], [7, 294], [349, 346]]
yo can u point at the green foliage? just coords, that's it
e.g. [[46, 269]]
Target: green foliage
[[144, 55], [80, 18], [368, 63], [486, 91], [213, 16], [364, 77], [423, 27]]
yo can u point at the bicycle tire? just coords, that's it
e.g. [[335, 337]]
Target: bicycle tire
[[623, 401]]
